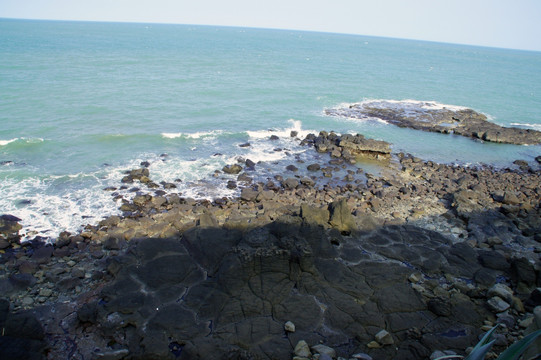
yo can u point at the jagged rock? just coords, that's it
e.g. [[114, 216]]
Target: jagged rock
[[314, 215], [341, 217]]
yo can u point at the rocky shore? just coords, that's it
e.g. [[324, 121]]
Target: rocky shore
[[323, 261], [427, 117]]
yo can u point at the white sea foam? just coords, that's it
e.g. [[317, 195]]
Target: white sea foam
[[527, 125], [408, 108], [409, 105], [53, 204], [296, 125], [195, 135], [27, 140], [5, 142]]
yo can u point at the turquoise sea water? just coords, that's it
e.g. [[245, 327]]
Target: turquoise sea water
[[81, 102]]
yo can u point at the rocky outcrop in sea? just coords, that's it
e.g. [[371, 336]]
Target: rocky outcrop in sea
[[328, 262], [427, 116]]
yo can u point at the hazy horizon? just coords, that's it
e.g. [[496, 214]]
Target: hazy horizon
[[488, 23]]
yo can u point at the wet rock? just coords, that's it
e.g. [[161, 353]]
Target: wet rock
[[292, 168], [9, 228], [232, 169], [290, 183], [313, 167], [250, 164], [465, 122]]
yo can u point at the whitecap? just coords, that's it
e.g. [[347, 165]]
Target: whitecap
[[195, 135], [527, 125], [5, 142], [296, 125]]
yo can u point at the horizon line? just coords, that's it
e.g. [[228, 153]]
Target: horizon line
[[270, 28]]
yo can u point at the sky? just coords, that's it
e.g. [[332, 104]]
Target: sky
[[511, 24]]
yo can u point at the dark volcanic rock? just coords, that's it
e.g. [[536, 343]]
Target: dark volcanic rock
[[429, 116], [216, 290], [9, 229], [22, 336]]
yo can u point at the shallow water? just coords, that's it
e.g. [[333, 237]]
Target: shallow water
[[82, 102]]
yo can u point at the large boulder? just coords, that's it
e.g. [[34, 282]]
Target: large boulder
[[341, 217], [232, 169], [9, 230]]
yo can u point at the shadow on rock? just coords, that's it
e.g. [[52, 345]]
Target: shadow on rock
[[220, 293]]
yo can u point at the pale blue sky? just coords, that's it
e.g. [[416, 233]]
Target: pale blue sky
[[500, 23]]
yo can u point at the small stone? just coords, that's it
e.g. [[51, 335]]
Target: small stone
[[415, 278], [324, 350], [373, 345], [292, 168], [502, 291], [497, 304], [436, 355], [71, 263], [384, 338], [361, 356], [526, 322], [78, 273], [27, 301], [45, 292], [302, 349], [289, 327]]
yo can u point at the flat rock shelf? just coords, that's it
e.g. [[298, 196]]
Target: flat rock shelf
[[429, 116]]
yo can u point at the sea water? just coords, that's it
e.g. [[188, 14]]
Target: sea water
[[82, 102]]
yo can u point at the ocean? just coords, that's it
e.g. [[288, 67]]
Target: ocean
[[82, 102]]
